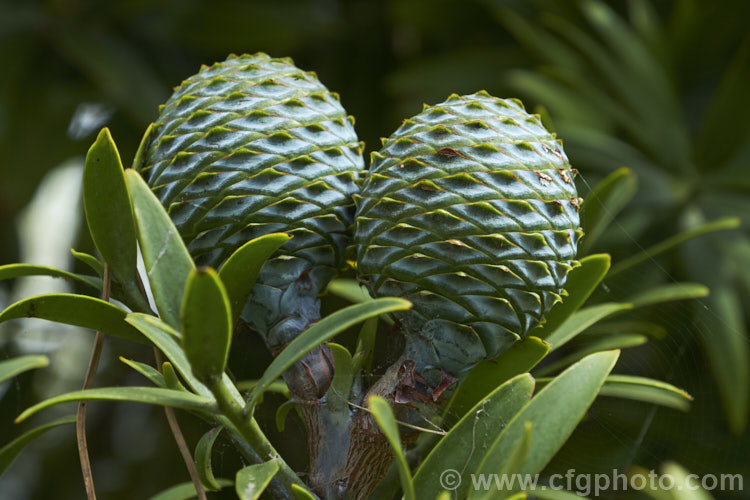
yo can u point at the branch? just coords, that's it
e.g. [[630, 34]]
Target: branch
[[83, 452]]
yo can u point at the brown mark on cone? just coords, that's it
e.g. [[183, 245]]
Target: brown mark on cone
[[449, 152], [565, 176]]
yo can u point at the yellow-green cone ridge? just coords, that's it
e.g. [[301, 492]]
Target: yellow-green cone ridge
[[469, 210], [250, 146]]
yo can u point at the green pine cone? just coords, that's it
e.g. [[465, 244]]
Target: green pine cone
[[469, 211], [250, 146]]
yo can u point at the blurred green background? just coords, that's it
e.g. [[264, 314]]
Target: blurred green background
[[658, 86]]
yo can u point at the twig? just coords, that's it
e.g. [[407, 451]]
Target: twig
[[83, 452], [276, 488], [179, 438], [251, 432]]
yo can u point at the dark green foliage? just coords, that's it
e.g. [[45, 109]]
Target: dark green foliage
[[655, 92], [109, 213], [206, 324]]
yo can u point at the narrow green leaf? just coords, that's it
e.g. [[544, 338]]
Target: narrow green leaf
[[147, 371], [639, 389], [165, 338], [170, 377], [15, 366], [667, 293], [674, 483], [643, 82], [202, 455], [77, 310], [185, 491], [581, 283], [565, 103], [167, 260], [583, 319], [130, 297], [281, 413], [362, 359], [460, 450], [253, 479], [323, 330], [91, 261], [241, 269], [622, 325], [597, 147], [721, 319], [301, 493], [723, 133], [349, 289], [11, 450], [352, 291], [544, 493], [522, 356], [517, 457], [644, 111], [206, 324], [338, 393], [109, 213], [512, 467], [603, 343], [604, 202], [277, 386], [686, 485], [647, 23], [649, 490], [725, 340], [148, 395], [647, 390], [383, 415], [670, 243], [11, 271], [535, 38], [554, 412]]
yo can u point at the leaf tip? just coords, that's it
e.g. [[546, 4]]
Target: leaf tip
[[406, 304], [104, 135], [373, 399], [734, 222]]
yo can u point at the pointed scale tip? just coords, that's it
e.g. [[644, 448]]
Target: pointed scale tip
[[517, 102]]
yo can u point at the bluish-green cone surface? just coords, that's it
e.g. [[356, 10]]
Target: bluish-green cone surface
[[469, 210], [250, 146]]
